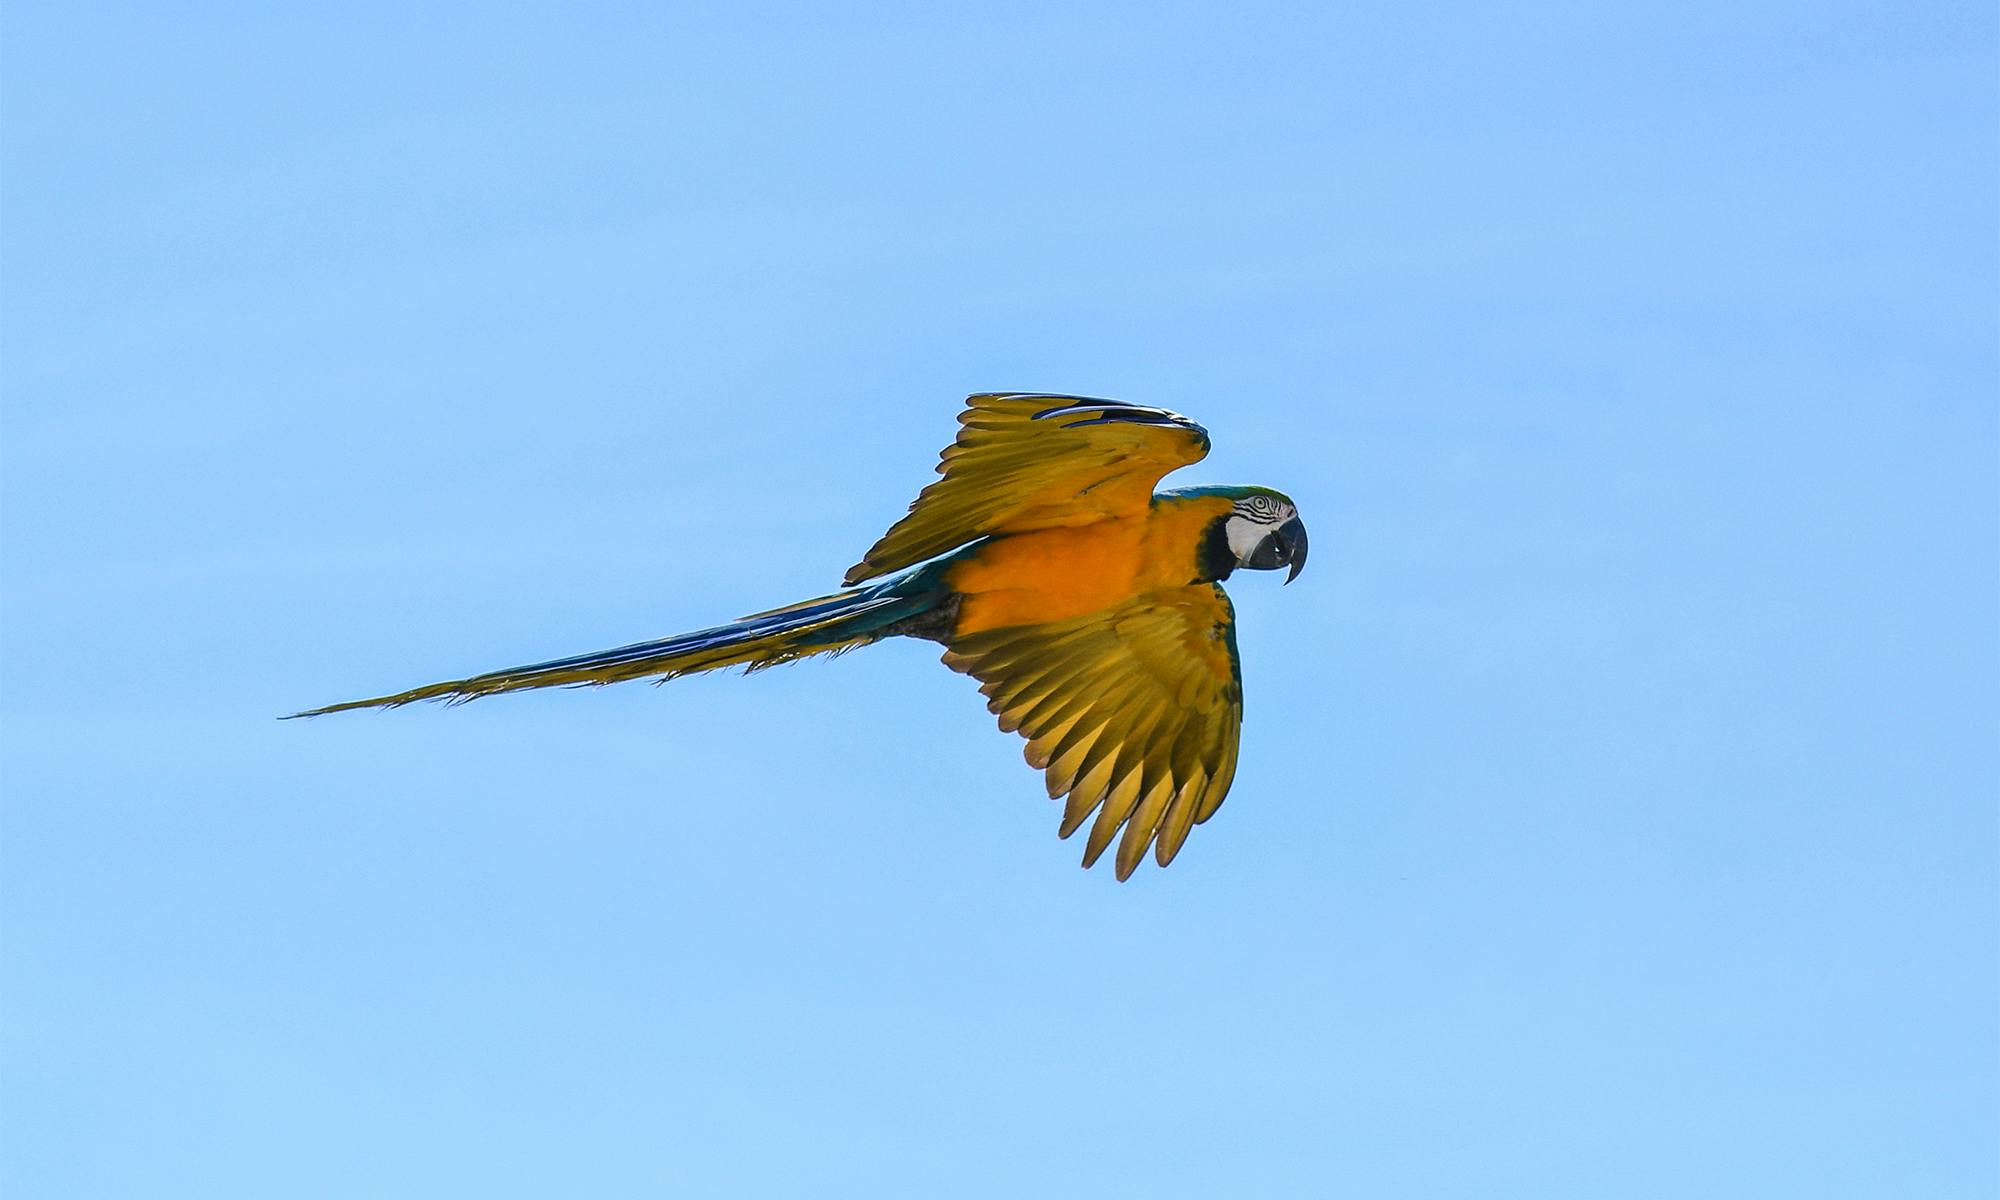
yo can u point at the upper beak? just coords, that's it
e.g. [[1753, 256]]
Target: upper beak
[[1292, 540], [1284, 546]]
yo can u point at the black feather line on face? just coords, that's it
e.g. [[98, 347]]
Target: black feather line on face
[[1212, 556]]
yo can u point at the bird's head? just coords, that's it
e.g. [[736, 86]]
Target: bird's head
[[1260, 532]]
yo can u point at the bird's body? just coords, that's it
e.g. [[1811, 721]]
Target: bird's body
[[1056, 574], [1089, 607]]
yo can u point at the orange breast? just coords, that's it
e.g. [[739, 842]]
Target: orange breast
[[1057, 574]]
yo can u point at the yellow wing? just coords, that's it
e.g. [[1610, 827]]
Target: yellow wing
[[1133, 713], [1030, 461]]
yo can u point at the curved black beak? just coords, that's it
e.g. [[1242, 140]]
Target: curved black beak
[[1286, 546]]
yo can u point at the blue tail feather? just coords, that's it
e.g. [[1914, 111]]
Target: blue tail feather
[[829, 624]]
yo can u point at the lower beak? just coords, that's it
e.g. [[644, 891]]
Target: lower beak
[[1292, 534]]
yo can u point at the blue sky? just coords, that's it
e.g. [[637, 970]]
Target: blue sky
[[1617, 810]]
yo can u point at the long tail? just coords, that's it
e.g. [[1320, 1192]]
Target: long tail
[[824, 626]]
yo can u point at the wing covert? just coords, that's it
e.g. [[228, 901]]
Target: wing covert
[[1133, 713], [1027, 461]]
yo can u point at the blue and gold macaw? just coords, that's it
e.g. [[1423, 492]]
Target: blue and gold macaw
[[1089, 608]]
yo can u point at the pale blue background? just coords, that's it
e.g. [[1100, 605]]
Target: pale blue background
[[1617, 808]]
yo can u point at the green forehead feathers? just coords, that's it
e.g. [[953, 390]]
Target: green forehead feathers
[[1233, 492]]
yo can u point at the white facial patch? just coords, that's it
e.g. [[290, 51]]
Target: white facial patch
[[1252, 522], [1244, 536]]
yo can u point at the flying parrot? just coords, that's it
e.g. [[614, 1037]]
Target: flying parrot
[[1089, 607]]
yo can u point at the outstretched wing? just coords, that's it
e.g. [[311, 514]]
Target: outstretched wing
[[1133, 713], [1033, 461]]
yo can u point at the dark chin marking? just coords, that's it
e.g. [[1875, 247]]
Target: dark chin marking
[[1213, 557]]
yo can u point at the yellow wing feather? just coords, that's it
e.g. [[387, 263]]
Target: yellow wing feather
[[1133, 713], [1029, 461]]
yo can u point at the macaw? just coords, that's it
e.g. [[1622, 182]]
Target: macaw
[[1089, 608]]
